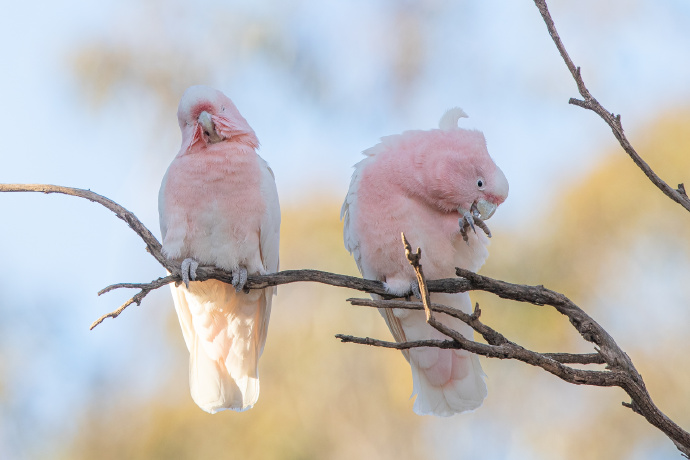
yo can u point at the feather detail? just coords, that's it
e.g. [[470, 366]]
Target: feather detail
[[445, 382], [449, 120], [225, 333]]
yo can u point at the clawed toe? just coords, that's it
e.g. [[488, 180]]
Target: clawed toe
[[188, 269], [414, 287], [239, 278], [468, 220]]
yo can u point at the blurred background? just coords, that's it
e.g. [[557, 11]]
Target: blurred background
[[89, 92]]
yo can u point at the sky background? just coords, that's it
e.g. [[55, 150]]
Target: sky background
[[89, 91]]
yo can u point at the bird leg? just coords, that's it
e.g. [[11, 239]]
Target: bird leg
[[239, 278], [188, 269]]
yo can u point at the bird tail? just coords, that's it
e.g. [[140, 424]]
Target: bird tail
[[446, 381], [225, 333]]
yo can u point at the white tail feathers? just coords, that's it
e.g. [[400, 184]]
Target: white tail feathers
[[225, 333], [450, 384], [449, 120], [446, 382]]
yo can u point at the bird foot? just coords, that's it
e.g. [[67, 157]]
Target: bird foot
[[188, 269], [469, 219], [414, 288], [239, 278], [413, 291]]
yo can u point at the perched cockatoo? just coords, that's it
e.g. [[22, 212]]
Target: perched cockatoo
[[218, 205], [429, 185]]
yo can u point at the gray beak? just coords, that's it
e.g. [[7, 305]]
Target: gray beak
[[486, 208], [209, 128]]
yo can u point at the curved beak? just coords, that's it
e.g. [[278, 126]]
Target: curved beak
[[486, 208], [499, 193], [209, 128], [481, 208]]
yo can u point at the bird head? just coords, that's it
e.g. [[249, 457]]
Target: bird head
[[207, 116], [461, 170]]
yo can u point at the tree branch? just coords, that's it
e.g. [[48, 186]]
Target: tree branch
[[617, 360], [564, 358], [614, 121], [152, 244], [499, 346], [137, 298]]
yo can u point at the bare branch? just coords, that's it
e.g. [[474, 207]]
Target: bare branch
[[620, 365], [253, 282], [152, 244], [397, 345], [621, 371], [563, 358], [501, 347], [614, 121], [137, 298], [490, 335]]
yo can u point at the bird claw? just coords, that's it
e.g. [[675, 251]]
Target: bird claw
[[414, 287], [414, 291], [188, 269], [469, 219], [239, 278]]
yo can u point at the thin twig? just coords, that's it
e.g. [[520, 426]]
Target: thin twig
[[614, 121], [144, 288], [253, 282], [489, 334], [204, 273], [152, 244], [397, 345], [563, 358]]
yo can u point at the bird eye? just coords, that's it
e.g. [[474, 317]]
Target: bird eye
[[222, 108], [480, 183]]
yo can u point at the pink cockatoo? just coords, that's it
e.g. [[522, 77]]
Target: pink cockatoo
[[218, 205], [429, 185]]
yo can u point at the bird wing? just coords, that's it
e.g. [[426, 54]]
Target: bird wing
[[269, 241], [347, 211]]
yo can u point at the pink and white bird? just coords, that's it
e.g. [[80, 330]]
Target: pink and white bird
[[427, 184], [218, 205]]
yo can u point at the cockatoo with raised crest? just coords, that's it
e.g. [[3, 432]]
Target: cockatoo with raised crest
[[218, 206], [433, 186]]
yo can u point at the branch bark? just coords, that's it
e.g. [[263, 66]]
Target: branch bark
[[152, 245]]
